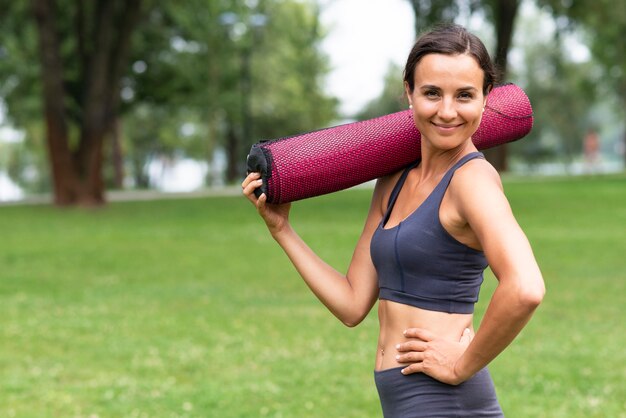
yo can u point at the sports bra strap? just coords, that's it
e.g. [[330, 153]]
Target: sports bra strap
[[445, 181], [465, 159], [396, 190]]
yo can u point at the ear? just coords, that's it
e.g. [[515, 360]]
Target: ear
[[485, 96], [408, 92]]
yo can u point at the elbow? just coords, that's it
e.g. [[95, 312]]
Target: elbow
[[352, 320], [351, 324], [354, 312], [532, 296]]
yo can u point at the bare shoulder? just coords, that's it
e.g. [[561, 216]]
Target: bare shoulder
[[476, 173], [476, 187], [476, 179]]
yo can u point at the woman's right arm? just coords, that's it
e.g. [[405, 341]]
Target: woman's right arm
[[349, 297]]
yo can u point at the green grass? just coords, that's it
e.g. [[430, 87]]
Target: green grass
[[186, 308]]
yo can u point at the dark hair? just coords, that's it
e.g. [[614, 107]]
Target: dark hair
[[450, 39]]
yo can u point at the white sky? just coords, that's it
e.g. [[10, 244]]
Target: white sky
[[364, 37]]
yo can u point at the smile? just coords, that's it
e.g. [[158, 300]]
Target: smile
[[446, 127]]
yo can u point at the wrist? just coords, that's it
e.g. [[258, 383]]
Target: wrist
[[461, 373], [279, 232]]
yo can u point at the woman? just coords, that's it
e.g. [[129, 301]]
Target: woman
[[430, 232]]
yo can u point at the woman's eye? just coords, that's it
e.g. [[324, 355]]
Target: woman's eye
[[431, 93], [465, 96]]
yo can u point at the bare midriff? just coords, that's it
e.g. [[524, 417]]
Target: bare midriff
[[394, 318]]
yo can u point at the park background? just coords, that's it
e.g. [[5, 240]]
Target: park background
[[136, 282]]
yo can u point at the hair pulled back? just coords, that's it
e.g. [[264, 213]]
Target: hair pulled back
[[450, 39]]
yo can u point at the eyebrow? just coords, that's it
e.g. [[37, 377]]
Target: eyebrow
[[467, 88], [433, 87]]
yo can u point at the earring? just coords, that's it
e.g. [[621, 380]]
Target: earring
[[411, 106]]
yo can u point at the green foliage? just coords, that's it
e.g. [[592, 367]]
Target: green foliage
[[604, 22], [204, 59], [188, 308], [562, 93], [246, 79], [19, 72], [186, 69], [289, 71]]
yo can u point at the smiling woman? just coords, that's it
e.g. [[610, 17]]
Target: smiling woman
[[431, 231]]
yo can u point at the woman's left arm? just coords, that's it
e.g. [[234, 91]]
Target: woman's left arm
[[480, 200]]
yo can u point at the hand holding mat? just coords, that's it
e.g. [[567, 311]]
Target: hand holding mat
[[332, 159]]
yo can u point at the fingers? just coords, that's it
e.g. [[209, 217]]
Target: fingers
[[428, 353], [410, 357], [419, 333], [412, 346], [251, 183], [249, 178], [261, 201], [413, 368], [412, 352]]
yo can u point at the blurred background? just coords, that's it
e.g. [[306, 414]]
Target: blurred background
[[103, 98]]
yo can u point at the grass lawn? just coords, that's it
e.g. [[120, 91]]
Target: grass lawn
[[186, 308]]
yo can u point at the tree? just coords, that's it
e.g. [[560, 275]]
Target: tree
[[181, 70], [170, 97], [82, 95], [604, 22], [562, 92], [283, 92], [158, 87], [237, 71], [503, 14]]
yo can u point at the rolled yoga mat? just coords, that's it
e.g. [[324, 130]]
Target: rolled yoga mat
[[336, 158]]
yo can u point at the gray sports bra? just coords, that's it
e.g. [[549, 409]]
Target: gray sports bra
[[419, 263]]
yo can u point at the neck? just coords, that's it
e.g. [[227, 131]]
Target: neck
[[437, 161]]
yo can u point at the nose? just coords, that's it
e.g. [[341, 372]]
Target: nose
[[447, 109]]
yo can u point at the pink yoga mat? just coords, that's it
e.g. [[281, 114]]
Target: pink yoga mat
[[332, 159]]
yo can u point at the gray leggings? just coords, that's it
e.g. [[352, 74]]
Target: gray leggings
[[420, 396]]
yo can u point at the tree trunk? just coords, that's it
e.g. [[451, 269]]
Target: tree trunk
[[77, 175], [89, 159], [61, 163], [504, 13], [95, 122]]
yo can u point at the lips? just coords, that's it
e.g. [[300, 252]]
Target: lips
[[446, 127]]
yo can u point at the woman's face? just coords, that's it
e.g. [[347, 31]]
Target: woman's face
[[448, 99]]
